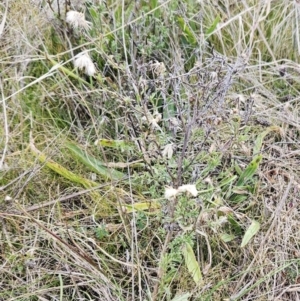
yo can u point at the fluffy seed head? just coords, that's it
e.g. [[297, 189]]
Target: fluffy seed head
[[190, 188], [84, 62], [170, 192], [77, 20]]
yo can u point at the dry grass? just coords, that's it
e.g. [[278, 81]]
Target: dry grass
[[83, 169]]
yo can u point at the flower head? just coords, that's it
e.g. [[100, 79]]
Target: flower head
[[77, 20], [83, 61]]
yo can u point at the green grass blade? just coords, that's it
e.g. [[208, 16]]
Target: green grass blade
[[189, 35], [227, 181], [94, 164], [143, 206], [213, 26], [227, 237], [183, 297], [119, 144], [250, 170], [66, 71], [105, 207], [260, 138], [69, 175], [251, 231], [191, 263]]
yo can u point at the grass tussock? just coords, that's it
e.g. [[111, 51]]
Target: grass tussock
[[149, 150]]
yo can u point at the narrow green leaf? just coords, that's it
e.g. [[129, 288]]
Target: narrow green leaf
[[67, 174], [227, 237], [237, 169], [238, 198], [251, 231], [260, 138], [94, 164], [93, 13], [191, 263], [121, 144], [143, 206], [213, 26], [183, 297], [227, 181], [67, 71], [154, 5], [250, 170], [189, 35]]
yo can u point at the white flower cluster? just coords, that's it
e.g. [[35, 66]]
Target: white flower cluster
[[84, 62], [171, 193], [77, 20]]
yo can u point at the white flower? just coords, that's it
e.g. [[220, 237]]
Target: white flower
[[83, 61], [170, 192], [168, 151], [77, 20], [190, 188]]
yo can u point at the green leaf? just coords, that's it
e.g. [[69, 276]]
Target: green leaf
[[250, 170], [251, 231], [67, 174], [189, 35], [183, 297], [238, 198], [214, 25], [67, 71], [93, 13], [260, 138], [121, 144], [94, 164], [154, 5], [227, 181], [142, 206], [237, 169], [191, 263], [227, 237]]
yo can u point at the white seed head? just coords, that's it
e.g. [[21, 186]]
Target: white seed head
[[77, 20], [90, 69], [189, 188], [170, 192], [84, 62]]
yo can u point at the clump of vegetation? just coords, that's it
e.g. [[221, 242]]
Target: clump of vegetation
[[149, 150]]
